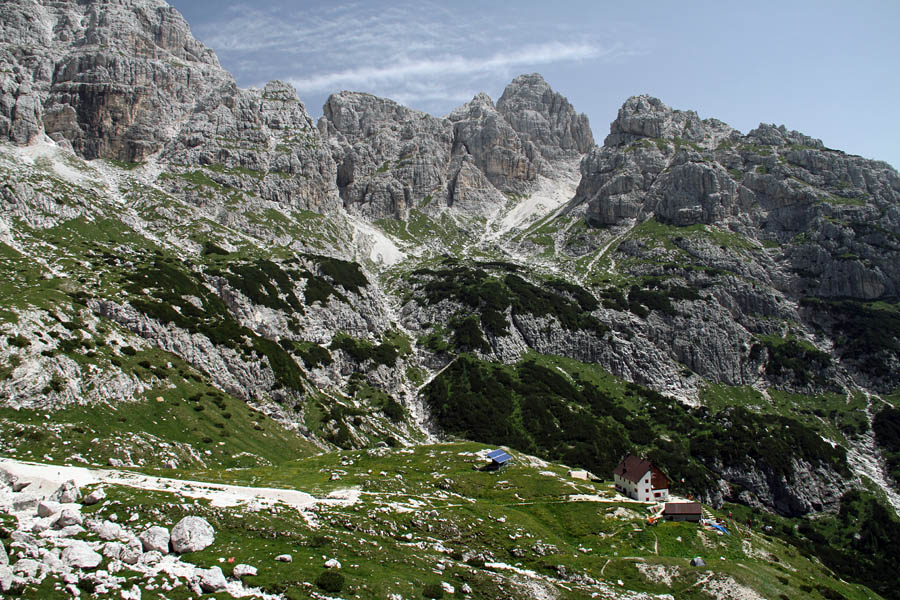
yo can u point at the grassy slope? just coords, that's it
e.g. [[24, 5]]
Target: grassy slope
[[79, 247], [424, 506]]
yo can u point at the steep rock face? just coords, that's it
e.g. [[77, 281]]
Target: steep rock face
[[615, 183], [772, 185], [694, 192], [390, 158], [621, 184], [471, 191], [262, 142], [387, 155], [807, 488], [481, 132], [111, 79], [545, 118], [125, 80]]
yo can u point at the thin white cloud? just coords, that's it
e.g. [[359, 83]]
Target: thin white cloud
[[420, 54], [368, 76], [244, 28]]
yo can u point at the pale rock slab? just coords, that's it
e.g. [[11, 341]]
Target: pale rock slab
[[192, 534]]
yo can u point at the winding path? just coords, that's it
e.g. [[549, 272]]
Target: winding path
[[46, 478]]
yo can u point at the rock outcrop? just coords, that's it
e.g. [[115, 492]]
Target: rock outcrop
[[155, 538], [112, 79], [545, 118], [80, 555], [127, 80], [773, 185], [481, 132], [67, 493], [391, 158], [259, 142], [388, 156]]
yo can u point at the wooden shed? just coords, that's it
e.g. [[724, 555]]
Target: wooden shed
[[682, 511]]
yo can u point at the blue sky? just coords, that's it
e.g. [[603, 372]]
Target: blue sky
[[828, 69]]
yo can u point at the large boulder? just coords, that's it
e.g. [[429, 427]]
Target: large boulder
[[48, 508], [192, 534], [6, 579], [80, 555], [155, 538], [130, 555], [67, 518], [28, 567], [240, 571], [107, 530], [66, 493], [211, 580], [95, 497], [113, 550]]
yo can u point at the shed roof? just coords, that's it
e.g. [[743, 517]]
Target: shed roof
[[633, 468], [682, 508], [499, 456]]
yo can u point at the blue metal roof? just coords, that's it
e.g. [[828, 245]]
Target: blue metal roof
[[499, 456]]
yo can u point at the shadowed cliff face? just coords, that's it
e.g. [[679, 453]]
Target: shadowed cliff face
[[112, 80]]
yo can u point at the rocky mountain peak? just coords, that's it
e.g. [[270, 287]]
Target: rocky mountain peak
[[109, 79], [482, 98], [772, 135], [357, 113], [648, 117], [545, 118], [482, 132], [391, 157], [388, 155], [279, 90]]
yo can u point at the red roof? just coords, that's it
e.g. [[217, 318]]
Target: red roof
[[633, 468], [682, 508]]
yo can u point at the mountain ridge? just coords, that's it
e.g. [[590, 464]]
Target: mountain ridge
[[724, 303]]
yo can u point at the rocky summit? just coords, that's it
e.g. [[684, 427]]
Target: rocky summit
[[248, 354]]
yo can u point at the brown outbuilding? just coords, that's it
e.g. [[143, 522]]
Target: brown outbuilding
[[682, 511]]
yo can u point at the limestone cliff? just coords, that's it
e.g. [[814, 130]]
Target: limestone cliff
[[113, 80], [391, 158]]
